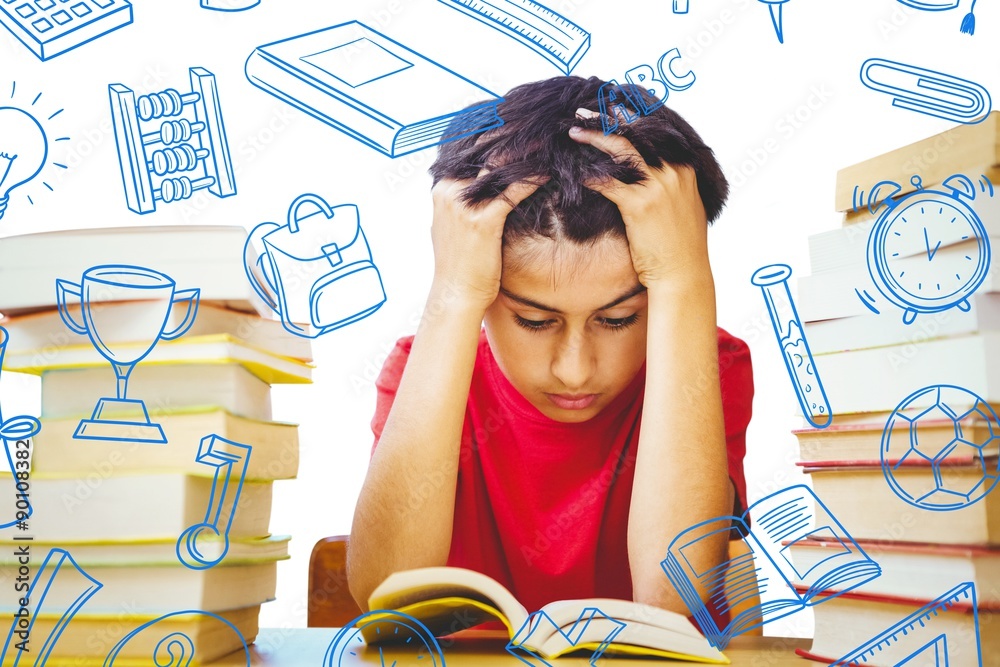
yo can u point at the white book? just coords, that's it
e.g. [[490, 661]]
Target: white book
[[159, 588], [124, 322], [825, 296], [877, 380], [88, 506], [209, 258], [163, 387], [217, 349], [870, 330], [848, 245]]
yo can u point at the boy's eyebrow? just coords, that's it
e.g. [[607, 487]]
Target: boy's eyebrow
[[638, 289]]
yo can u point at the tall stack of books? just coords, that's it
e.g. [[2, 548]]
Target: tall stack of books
[[176, 530], [910, 486]]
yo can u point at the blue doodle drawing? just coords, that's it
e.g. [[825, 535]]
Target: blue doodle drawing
[[315, 271], [784, 519], [392, 626], [372, 88], [681, 6], [969, 20], [544, 31], [14, 429], [644, 92], [931, 5], [921, 635], [176, 649], [229, 5], [776, 9], [227, 457], [573, 636], [48, 28], [123, 282], [802, 371], [906, 440], [56, 562], [925, 219], [170, 160], [24, 147], [928, 92]]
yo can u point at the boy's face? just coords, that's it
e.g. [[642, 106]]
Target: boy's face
[[569, 326]]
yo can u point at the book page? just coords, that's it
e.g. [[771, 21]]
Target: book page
[[408, 588]]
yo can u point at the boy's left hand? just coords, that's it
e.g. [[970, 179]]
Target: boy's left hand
[[664, 216]]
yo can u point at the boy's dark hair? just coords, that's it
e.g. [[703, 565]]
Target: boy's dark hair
[[534, 141]]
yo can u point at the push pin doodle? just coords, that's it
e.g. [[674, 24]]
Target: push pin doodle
[[171, 145]]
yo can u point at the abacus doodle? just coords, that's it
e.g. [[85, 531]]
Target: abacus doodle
[[195, 143]]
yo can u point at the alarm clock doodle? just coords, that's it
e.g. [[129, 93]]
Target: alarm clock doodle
[[906, 260], [414, 641]]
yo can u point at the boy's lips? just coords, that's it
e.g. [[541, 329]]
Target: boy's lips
[[572, 401]]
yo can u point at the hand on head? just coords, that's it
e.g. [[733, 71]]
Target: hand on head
[[664, 215]]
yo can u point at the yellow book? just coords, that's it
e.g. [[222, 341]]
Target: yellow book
[[218, 349], [448, 599], [275, 453], [89, 638]]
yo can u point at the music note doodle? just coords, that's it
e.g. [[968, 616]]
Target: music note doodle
[[225, 456], [24, 619]]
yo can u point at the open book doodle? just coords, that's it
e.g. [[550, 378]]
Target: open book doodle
[[783, 519], [540, 623]]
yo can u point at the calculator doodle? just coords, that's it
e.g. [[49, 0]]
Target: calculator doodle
[[171, 144], [51, 27]]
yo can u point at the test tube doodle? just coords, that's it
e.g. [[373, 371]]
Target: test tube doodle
[[773, 282]]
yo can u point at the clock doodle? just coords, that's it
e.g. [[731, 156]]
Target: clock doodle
[[399, 639], [906, 248]]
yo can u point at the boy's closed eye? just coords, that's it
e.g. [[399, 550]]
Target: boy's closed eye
[[613, 323]]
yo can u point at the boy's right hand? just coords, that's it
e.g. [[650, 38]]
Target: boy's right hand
[[468, 239]]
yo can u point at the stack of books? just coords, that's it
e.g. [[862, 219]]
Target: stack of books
[[157, 507], [902, 314]]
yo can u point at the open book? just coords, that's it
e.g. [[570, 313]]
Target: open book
[[448, 599], [783, 519]]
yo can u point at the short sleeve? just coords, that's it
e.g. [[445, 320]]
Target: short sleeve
[[387, 383], [736, 380]]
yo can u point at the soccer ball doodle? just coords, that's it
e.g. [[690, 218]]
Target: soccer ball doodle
[[958, 433]]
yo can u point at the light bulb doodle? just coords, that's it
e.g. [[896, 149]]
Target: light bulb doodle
[[24, 148]]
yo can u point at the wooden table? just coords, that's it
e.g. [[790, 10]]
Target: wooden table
[[306, 647]]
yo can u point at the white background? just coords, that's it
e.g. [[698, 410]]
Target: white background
[[802, 100]]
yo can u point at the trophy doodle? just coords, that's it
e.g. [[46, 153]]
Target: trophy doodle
[[121, 418]]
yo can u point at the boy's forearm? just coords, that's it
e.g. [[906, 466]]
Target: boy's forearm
[[681, 474], [404, 515]]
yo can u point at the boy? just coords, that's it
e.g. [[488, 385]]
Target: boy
[[558, 417]]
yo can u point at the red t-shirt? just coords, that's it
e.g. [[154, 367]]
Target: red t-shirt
[[542, 506]]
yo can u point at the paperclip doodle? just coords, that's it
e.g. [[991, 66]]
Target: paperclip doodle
[[928, 92]]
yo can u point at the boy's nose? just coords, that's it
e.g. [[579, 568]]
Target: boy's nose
[[574, 363]]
